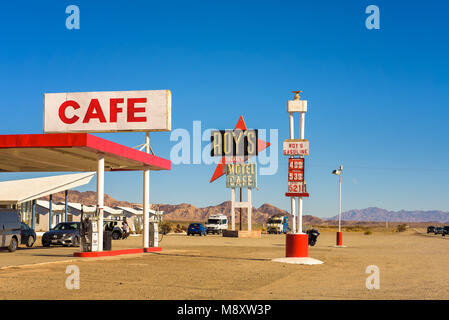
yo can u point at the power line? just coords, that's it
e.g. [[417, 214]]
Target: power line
[[384, 168]]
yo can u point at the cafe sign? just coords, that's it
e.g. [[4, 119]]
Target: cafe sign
[[113, 111]]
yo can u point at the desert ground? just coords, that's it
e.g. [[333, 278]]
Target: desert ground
[[412, 264]]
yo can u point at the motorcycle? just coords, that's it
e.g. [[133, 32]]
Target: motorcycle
[[313, 236], [125, 235]]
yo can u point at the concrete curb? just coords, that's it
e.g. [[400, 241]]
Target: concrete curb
[[305, 261]]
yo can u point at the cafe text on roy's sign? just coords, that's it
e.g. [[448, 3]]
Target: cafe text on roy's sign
[[241, 175]]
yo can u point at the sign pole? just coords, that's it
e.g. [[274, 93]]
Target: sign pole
[[339, 200], [100, 200], [292, 199], [339, 172], [302, 120], [339, 233], [146, 197], [241, 222], [300, 215], [232, 209], [250, 209]]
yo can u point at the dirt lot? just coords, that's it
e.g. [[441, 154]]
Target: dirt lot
[[412, 266]]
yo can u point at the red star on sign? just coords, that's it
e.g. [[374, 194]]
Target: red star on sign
[[261, 145]]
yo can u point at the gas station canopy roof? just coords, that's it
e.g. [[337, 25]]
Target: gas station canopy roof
[[19, 191], [71, 152]]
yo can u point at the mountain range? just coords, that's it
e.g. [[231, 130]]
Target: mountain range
[[188, 212], [183, 211], [382, 215]]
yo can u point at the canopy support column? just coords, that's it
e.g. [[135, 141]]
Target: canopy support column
[[33, 215], [65, 205], [146, 197], [100, 199], [50, 212]]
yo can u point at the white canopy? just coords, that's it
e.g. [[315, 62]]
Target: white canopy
[[45, 207], [18, 191], [131, 211], [112, 211], [75, 208], [139, 211]]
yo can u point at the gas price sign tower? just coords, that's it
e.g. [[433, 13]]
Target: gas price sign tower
[[296, 245]]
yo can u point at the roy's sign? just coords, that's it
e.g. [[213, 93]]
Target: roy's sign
[[113, 111], [229, 143], [296, 147]]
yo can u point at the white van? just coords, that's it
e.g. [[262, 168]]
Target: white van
[[9, 229], [217, 223]]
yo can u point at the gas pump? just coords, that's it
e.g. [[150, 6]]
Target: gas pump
[[154, 233], [89, 230]]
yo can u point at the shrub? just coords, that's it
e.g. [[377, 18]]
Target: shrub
[[165, 227], [368, 232], [401, 227], [179, 228], [138, 226], [355, 228]]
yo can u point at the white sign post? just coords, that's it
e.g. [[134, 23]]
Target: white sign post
[[112, 111]]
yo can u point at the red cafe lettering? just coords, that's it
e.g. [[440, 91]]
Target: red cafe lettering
[[68, 110]]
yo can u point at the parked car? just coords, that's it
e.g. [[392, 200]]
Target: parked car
[[445, 230], [430, 229], [27, 234], [9, 229], [196, 228], [64, 233], [438, 230]]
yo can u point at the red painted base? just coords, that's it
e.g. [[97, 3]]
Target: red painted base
[[339, 238], [115, 252], [152, 249], [297, 246], [294, 194]]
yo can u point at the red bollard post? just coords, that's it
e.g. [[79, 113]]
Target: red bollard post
[[297, 246], [339, 239]]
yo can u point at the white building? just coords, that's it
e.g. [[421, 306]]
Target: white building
[[24, 196]]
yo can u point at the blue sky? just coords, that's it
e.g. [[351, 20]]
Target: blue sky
[[378, 99]]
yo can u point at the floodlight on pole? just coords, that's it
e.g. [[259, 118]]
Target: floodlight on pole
[[339, 172]]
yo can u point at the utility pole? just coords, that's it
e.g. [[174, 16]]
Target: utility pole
[[339, 201], [339, 172]]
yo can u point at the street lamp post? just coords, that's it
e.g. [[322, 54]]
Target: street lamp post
[[339, 172]]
